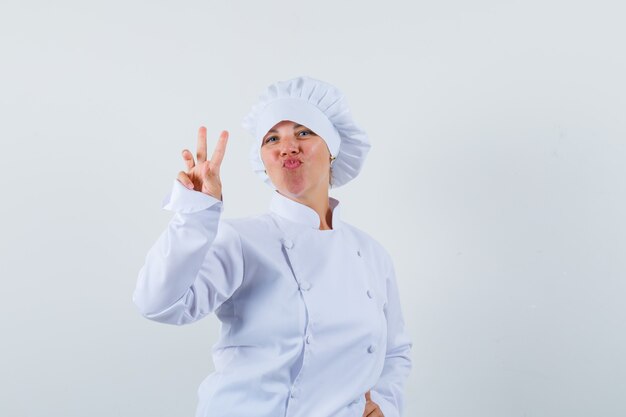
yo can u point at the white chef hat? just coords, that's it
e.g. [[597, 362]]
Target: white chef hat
[[322, 108]]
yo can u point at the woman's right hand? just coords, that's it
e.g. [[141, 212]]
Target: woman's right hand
[[204, 175]]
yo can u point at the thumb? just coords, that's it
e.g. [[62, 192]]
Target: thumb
[[367, 396]]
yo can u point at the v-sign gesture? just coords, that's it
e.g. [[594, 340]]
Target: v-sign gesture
[[204, 175]]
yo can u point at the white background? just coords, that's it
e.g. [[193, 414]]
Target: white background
[[496, 181]]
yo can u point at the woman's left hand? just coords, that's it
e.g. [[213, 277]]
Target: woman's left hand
[[371, 408]]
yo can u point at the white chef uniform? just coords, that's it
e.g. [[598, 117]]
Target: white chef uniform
[[310, 319]]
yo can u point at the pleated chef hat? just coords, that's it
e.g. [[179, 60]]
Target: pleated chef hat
[[322, 108]]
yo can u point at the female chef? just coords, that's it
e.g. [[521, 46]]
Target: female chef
[[311, 324]]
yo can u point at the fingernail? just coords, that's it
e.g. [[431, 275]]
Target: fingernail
[[190, 186]]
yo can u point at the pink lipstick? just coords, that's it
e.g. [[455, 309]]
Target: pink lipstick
[[292, 163]]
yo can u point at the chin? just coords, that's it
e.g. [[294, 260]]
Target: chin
[[296, 190], [297, 187]]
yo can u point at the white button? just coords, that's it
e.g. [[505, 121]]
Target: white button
[[308, 339], [371, 349], [288, 243], [304, 285], [293, 394], [370, 294]]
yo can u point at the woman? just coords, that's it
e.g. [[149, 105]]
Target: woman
[[310, 313]]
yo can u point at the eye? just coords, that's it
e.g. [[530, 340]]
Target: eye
[[305, 133], [270, 139]]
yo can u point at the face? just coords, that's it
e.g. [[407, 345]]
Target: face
[[296, 160]]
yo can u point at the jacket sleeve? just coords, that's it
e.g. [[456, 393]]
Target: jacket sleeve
[[194, 266], [388, 392]]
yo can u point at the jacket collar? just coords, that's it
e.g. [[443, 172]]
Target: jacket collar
[[301, 214]]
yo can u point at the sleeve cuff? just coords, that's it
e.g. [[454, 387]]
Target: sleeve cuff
[[183, 200]]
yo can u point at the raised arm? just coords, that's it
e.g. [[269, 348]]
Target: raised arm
[[194, 266]]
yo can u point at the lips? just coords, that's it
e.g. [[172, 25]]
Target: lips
[[292, 163]]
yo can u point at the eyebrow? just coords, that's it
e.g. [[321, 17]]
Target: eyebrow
[[294, 128]]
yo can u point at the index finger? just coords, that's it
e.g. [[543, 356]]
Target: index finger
[[219, 151]]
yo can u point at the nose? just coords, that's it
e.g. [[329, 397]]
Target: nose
[[289, 146]]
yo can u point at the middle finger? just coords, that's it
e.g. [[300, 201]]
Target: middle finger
[[201, 149]]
